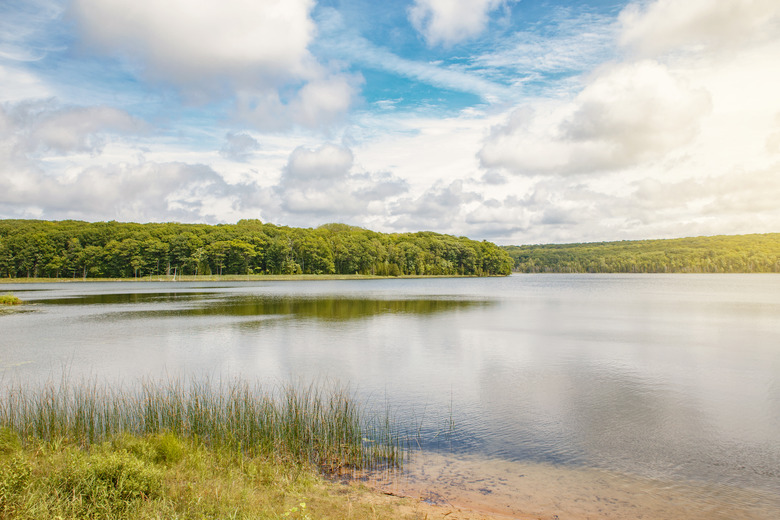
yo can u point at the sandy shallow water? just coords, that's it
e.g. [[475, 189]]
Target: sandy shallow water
[[502, 489]]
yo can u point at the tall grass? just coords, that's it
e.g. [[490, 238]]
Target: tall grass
[[321, 425]]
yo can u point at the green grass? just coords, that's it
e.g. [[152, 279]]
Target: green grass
[[9, 299], [164, 476], [203, 449]]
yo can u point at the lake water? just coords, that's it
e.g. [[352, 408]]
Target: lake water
[[585, 396]]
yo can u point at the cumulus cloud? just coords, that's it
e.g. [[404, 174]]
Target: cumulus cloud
[[239, 146], [637, 111], [321, 183], [183, 42], [747, 193], [141, 190], [256, 51], [145, 191], [553, 210], [673, 137], [439, 207], [447, 22], [323, 100], [82, 129], [328, 163], [318, 103], [666, 25], [40, 178], [45, 126], [629, 113], [686, 90], [493, 177]]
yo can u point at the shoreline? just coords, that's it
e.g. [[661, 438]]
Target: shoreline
[[234, 278]]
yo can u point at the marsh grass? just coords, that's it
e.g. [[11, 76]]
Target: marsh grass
[[312, 424], [200, 449]]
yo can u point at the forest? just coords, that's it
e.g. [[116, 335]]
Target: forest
[[759, 253], [76, 249]]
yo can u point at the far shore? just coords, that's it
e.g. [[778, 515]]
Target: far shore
[[231, 278]]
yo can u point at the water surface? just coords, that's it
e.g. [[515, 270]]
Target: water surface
[[666, 382]]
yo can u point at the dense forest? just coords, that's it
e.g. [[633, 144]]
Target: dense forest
[[75, 249], [717, 254]]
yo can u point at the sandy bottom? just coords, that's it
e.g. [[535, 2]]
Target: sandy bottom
[[471, 488]]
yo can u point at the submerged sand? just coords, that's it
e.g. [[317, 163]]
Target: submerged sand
[[443, 486]]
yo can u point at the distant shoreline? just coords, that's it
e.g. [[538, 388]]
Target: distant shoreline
[[314, 277], [234, 278], [756, 253]]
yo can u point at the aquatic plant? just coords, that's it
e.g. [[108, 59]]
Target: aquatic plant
[[323, 426], [9, 299]]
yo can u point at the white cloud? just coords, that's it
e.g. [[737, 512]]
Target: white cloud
[[81, 129], [19, 85], [448, 22], [324, 100], [321, 183], [440, 207], [44, 172], [184, 42], [628, 114], [677, 134], [256, 50], [318, 103], [680, 138], [239, 146], [46, 127], [138, 192], [694, 25], [327, 163], [638, 111]]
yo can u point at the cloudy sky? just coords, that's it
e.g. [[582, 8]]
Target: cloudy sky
[[516, 121]]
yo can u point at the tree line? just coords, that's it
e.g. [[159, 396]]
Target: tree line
[[758, 253], [76, 249]]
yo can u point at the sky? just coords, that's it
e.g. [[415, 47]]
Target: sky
[[514, 121]]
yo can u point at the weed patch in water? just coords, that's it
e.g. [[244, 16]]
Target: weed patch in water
[[9, 299]]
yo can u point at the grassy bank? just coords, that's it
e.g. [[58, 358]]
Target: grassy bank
[[166, 476], [170, 450]]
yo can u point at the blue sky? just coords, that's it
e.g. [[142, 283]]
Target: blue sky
[[512, 121]]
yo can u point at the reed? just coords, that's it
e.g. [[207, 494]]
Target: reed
[[324, 426]]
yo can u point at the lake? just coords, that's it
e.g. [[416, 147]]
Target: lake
[[599, 396]]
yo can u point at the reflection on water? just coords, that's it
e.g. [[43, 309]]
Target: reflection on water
[[322, 308], [655, 393], [205, 304], [121, 298]]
